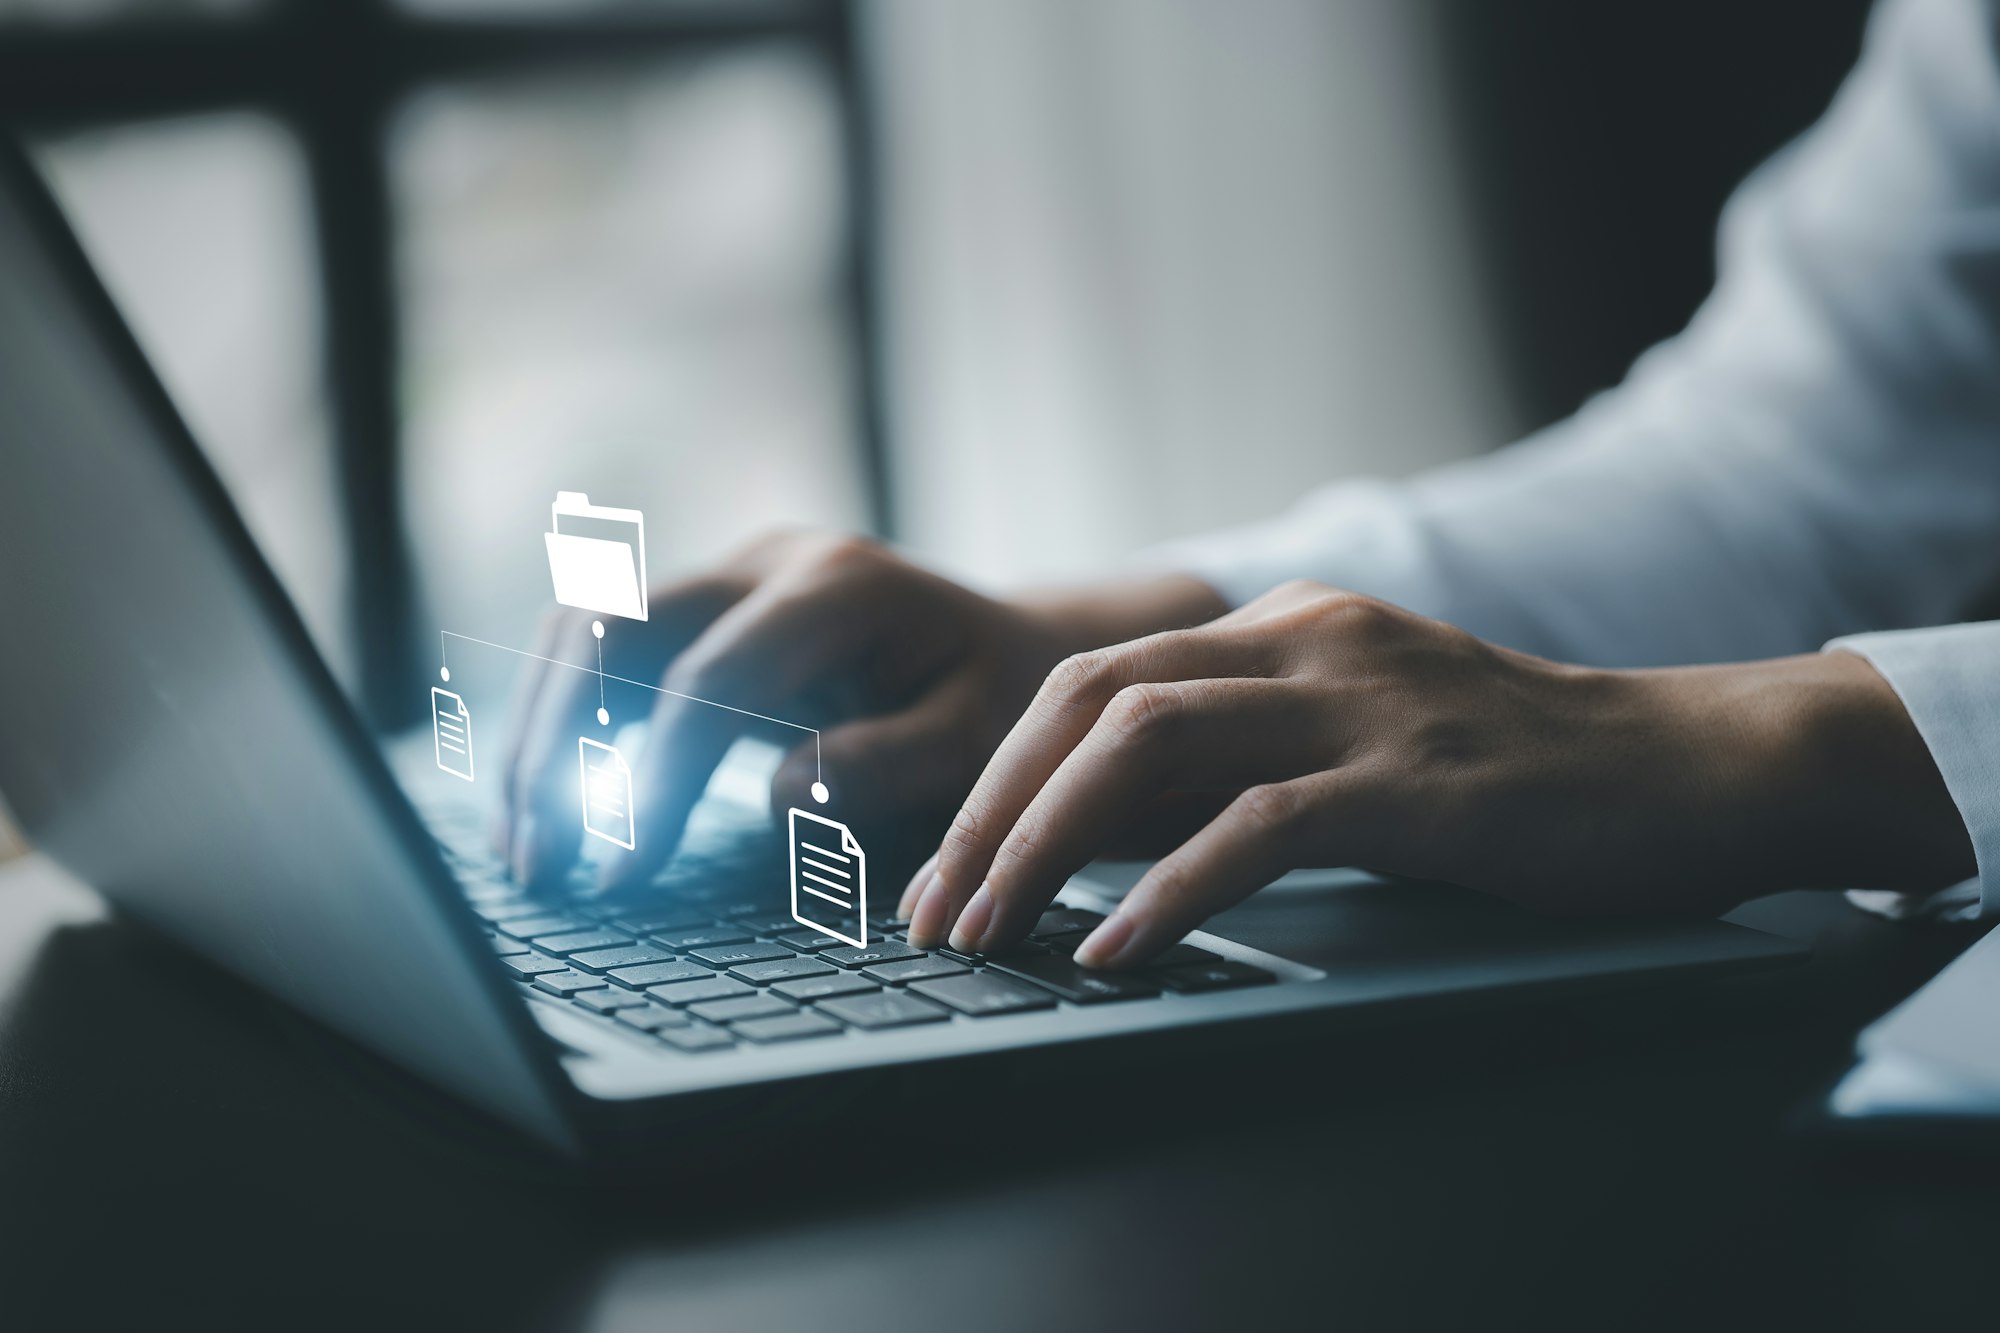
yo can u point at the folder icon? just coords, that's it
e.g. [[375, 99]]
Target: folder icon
[[829, 878], [597, 556]]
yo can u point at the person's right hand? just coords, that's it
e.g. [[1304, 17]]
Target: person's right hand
[[913, 679]]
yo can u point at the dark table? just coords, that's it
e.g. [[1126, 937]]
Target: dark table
[[178, 1152]]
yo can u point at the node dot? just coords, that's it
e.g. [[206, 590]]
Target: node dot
[[597, 628], [603, 717], [444, 673], [820, 793]]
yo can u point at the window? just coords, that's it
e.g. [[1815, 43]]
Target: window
[[410, 267]]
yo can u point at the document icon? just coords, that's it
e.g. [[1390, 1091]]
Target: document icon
[[451, 729], [597, 556], [607, 792], [829, 878]]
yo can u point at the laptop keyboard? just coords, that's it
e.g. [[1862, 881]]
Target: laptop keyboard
[[714, 976]]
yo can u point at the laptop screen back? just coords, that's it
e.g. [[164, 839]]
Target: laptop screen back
[[165, 730]]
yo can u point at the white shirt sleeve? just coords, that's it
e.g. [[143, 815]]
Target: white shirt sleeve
[[1818, 454], [1949, 680]]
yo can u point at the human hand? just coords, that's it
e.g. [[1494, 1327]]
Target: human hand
[[1317, 728], [913, 678]]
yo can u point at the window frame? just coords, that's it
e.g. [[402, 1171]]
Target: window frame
[[335, 72]]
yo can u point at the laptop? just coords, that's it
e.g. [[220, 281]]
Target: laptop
[[169, 735]]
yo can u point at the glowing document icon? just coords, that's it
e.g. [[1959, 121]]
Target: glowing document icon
[[451, 729], [829, 878], [607, 792], [597, 556]]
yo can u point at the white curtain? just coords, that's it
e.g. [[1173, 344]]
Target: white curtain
[[1156, 265]]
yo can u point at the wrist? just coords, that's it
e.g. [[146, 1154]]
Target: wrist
[[1822, 778]]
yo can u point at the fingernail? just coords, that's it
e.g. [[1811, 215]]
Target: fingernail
[[1106, 946], [972, 922], [927, 919], [915, 893]]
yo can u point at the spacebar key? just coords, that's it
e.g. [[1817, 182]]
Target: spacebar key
[[1078, 985]]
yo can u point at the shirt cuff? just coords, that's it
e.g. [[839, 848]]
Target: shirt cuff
[[1949, 680]]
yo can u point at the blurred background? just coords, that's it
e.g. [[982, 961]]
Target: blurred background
[[1023, 285]]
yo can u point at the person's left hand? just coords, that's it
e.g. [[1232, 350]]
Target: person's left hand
[[1318, 728]]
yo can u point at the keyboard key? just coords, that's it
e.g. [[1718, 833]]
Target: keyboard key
[[534, 964], [566, 982], [766, 923], [692, 992], [1181, 955], [820, 988], [741, 1008], [511, 909], [913, 969], [807, 941], [729, 955], [1222, 974], [604, 1001], [985, 994], [653, 923], [625, 955], [883, 1009], [701, 937], [1025, 949], [1078, 985], [577, 941], [1059, 920], [779, 969], [504, 946], [651, 1017], [791, 1027], [888, 952], [888, 925], [692, 1038], [657, 974], [528, 927]]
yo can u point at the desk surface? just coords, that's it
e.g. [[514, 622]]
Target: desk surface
[[176, 1151]]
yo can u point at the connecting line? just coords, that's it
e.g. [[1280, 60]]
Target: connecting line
[[444, 634]]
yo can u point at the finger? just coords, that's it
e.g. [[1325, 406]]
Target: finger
[[546, 828], [1324, 819], [756, 657], [1150, 739], [520, 711], [1062, 714], [918, 883]]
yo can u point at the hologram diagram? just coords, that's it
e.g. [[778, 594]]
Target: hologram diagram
[[597, 562]]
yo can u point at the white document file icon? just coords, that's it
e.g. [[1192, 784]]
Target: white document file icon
[[607, 792], [829, 878], [451, 733], [597, 556]]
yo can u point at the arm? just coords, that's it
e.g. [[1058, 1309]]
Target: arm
[[1819, 453]]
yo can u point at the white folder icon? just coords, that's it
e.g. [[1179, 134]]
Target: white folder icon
[[597, 556]]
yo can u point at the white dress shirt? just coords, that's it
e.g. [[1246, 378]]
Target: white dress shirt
[[1814, 461]]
